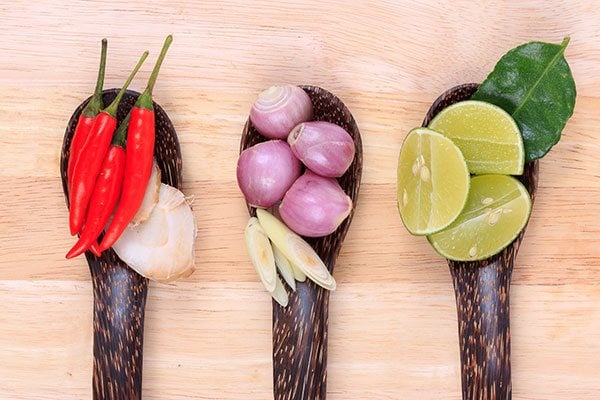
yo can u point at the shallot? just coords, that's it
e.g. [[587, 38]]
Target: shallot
[[279, 109], [266, 171], [325, 148], [315, 206]]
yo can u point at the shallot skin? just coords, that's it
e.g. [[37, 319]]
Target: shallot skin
[[266, 171], [315, 206], [325, 148], [279, 109]]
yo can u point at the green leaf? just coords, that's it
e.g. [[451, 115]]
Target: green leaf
[[533, 83]]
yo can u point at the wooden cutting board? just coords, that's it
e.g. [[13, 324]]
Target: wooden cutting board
[[393, 331]]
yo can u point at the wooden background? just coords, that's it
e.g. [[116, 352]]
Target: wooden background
[[393, 328]]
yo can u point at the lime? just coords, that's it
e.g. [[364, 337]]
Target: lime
[[433, 182], [488, 137], [497, 209]]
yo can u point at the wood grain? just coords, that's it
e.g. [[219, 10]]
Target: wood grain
[[119, 292], [482, 291], [300, 330], [392, 319]]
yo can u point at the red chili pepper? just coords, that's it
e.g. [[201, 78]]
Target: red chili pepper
[[94, 249], [106, 193], [92, 155], [140, 150], [86, 119], [104, 198]]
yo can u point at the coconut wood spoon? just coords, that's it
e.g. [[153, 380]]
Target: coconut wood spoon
[[119, 292], [482, 291], [300, 329]]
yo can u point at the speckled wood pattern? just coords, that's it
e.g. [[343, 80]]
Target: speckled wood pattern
[[482, 290], [119, 292], [300, 329]]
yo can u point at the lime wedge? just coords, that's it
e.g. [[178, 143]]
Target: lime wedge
[[487, 135], [497, 209], [433, 182]]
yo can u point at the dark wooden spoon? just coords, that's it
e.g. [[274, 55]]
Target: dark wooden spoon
[[119, 292], [482, 291], [300, 329]]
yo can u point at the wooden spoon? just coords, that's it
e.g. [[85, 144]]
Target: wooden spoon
[[300, 329], [482, 291], [119, 292]]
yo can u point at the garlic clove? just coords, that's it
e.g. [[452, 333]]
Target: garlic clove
[[284, 267], [162, 247], [150, 197], [297, 251], [261, 253]]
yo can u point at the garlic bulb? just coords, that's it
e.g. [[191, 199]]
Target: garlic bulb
[[162, 247]]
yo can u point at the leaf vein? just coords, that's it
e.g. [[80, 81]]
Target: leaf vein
[[551, 65]]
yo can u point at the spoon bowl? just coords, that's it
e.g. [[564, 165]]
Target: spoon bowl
[[482, 291], [300, 329], [120, 292]]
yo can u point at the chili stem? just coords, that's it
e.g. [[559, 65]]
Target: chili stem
[[120, 136], [96, 104], [159, 61], [112, 108], [145, 99], [100, 80]]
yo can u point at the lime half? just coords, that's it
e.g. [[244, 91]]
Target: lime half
[[497, 209], [488, 136], [433, 182]]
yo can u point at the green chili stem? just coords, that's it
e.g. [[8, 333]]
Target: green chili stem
[[145, 99], [120, 136], [112, 108], [96, 104], [100, 80]]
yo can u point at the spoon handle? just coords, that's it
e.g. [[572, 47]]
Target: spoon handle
[[300, 329], [300, 344], [119, 303], [483, 307], [482, 290]]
